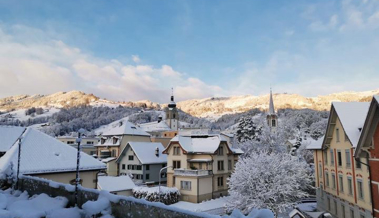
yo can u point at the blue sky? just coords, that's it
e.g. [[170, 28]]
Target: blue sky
[[134, 50]]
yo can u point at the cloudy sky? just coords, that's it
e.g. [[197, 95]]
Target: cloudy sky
[[134, 50]]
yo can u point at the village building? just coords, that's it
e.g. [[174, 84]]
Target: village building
[[144, 160], [44, 156], [272, 118], [368, 149], [87, 144], [199, 165], [342, 182], [115, 139], [120, 185]]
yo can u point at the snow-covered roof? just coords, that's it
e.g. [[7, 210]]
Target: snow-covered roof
[[145, 152], [155, 126], [199, 143], [8, 136], [312, 144], [108, 159], [352, 116], [41, 153], [237, 150], [123, 127], [114, 184]]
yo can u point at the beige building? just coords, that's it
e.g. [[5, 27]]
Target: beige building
[[342, 182], [115, 139], [46, 157], [87, 143], [199, 165]]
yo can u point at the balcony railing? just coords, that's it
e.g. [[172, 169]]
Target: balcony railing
[[185, 172]]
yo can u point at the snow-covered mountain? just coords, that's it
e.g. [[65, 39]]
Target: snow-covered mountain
[[207, 108]]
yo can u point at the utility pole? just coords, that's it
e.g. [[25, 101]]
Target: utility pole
[[18, 161], [77, 180]]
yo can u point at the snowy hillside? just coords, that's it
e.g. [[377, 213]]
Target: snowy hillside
[[210, 108]]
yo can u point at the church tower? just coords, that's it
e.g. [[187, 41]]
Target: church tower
[[272, 118], [172, 115]]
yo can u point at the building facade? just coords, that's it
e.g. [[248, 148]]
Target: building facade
[[368, 148], [200, 165], [87, 143], [342, 182]]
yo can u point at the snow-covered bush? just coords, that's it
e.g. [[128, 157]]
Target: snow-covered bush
[[268, 180], [166, 195]]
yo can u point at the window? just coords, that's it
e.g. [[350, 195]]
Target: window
[[342, 211], [358, 163], [220, 181], [220, 165], [331, 157], [89, 143], [176, 164], [335, 207], [339, 156], [113, 153], [176, 151], [123, 166], [139, 167], [229, 164], [131, 157], [340, 177], [338, 135], [348, 161], [273, 123], [129, 167], [147, 167], [350, 185], [185, 185], [173, 180], [138, 176], [326, 157], [327, 179], [334, 180], [321, 191], [328, 203], [115, 140], [351, 213], [147, 176], [70, 142], [360, 189], [320, 170], [220, 151]]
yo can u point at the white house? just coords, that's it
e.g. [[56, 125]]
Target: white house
[[144, 160]]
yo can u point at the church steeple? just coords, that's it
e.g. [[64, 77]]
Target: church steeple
[[172, 114], [172, 103], [272, 119], [271, 109]]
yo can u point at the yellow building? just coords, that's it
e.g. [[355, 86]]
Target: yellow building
[[87, 143], [342, 182], [199, 165]]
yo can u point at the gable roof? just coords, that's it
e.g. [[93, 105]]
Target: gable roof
[[311, 144], [369, 127], [41, 153], [155, 126], [123, 127], [207, 143], [8, 136], [145, 152], [114, 184], [352, 116]]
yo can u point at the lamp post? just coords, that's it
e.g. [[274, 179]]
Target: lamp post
[[159, 184], [77, 180]]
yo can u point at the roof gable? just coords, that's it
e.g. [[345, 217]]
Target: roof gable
[[123, 127], [145, 152]]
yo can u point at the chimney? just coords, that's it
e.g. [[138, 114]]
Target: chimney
[[157, 152]]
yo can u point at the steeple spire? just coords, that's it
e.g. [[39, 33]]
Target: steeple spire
[[172, 103], [172, 94], [271, 109]]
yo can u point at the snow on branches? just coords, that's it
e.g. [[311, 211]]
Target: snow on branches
[[268, 180]]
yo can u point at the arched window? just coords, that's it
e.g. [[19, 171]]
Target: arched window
[[273, 123]]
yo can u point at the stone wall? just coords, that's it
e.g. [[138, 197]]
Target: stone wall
[[122, 207]]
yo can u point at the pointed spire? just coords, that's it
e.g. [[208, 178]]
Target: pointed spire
[[271, 109], [172, 94], [172, 103]]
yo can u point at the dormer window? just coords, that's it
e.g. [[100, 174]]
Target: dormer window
[[115, 140], [102, 140], [176, 151], [220, 151]]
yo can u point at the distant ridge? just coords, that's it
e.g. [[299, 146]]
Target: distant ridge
[[207, 107]]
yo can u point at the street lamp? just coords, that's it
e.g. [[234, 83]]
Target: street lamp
[[159, 184], [77, 180]]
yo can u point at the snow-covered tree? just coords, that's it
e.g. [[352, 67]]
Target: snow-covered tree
[[247, 130], [268, 180]]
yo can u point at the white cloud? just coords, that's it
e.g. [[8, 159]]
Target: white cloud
[[31, 65]]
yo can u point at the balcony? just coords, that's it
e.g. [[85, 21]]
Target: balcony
[[185, 172]]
